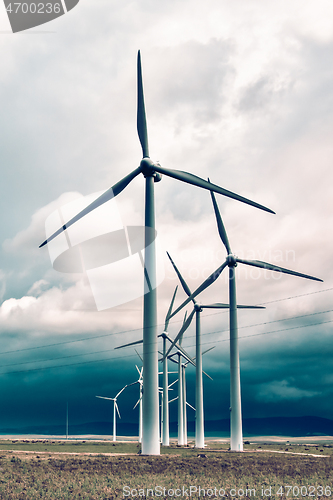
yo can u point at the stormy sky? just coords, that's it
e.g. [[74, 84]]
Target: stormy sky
[[240, 92]]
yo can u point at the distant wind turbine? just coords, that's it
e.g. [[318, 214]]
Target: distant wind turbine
[[161, 391], [165, 336], [197, 309], [139, 401], [115, 408], [182, 416], [165, 394], [152, 172], [236, 438]]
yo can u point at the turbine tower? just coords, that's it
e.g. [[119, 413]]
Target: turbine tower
[[152, 172], [236, 438]]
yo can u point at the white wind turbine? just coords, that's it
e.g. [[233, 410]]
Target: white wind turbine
[[152, 172], [139, 401], [165, 394], [161, 391], [236, 434], [182, 415], [115, 408], [197, 310], [182, 403], [165, 336]]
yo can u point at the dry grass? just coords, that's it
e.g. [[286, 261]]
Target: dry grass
[[49, 475]]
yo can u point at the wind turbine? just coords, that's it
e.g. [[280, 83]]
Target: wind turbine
[[197, 310], [182, 414], [236, 438], [115, 407], [164, 335], [182, 431], [165, 395], [139, 401], [152, 172]]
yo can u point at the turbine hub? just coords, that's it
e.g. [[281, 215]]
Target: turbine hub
[[147, 168], [231, 260], [197, 307]]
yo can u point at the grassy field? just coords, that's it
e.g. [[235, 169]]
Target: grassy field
[[48, 469]]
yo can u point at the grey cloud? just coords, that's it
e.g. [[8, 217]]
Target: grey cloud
[[191, 81], [258, 96], [283, 390]]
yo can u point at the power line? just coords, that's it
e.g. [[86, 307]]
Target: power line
[[172, 322], [70, 364], [70, 341], [132, 355], [277, 321]]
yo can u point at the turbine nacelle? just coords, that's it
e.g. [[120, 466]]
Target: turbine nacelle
[[232, 260], [147, 167]]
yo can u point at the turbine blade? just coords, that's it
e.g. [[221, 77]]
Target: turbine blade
[[136, 404], [102, 397], [108, 195], [207, 350], [209, 281], [117, 409], [188, 404], [271, 267], [174, 399], [218, 305], [181, 279], [172, 383], [167, 318], [181, 331], [197, 181], [133, 383], [168, 338], [131, 343], [239, 306], [138, 355], [220, 225], [141, 116], [120, 392], [173, 360], [207, 375]]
